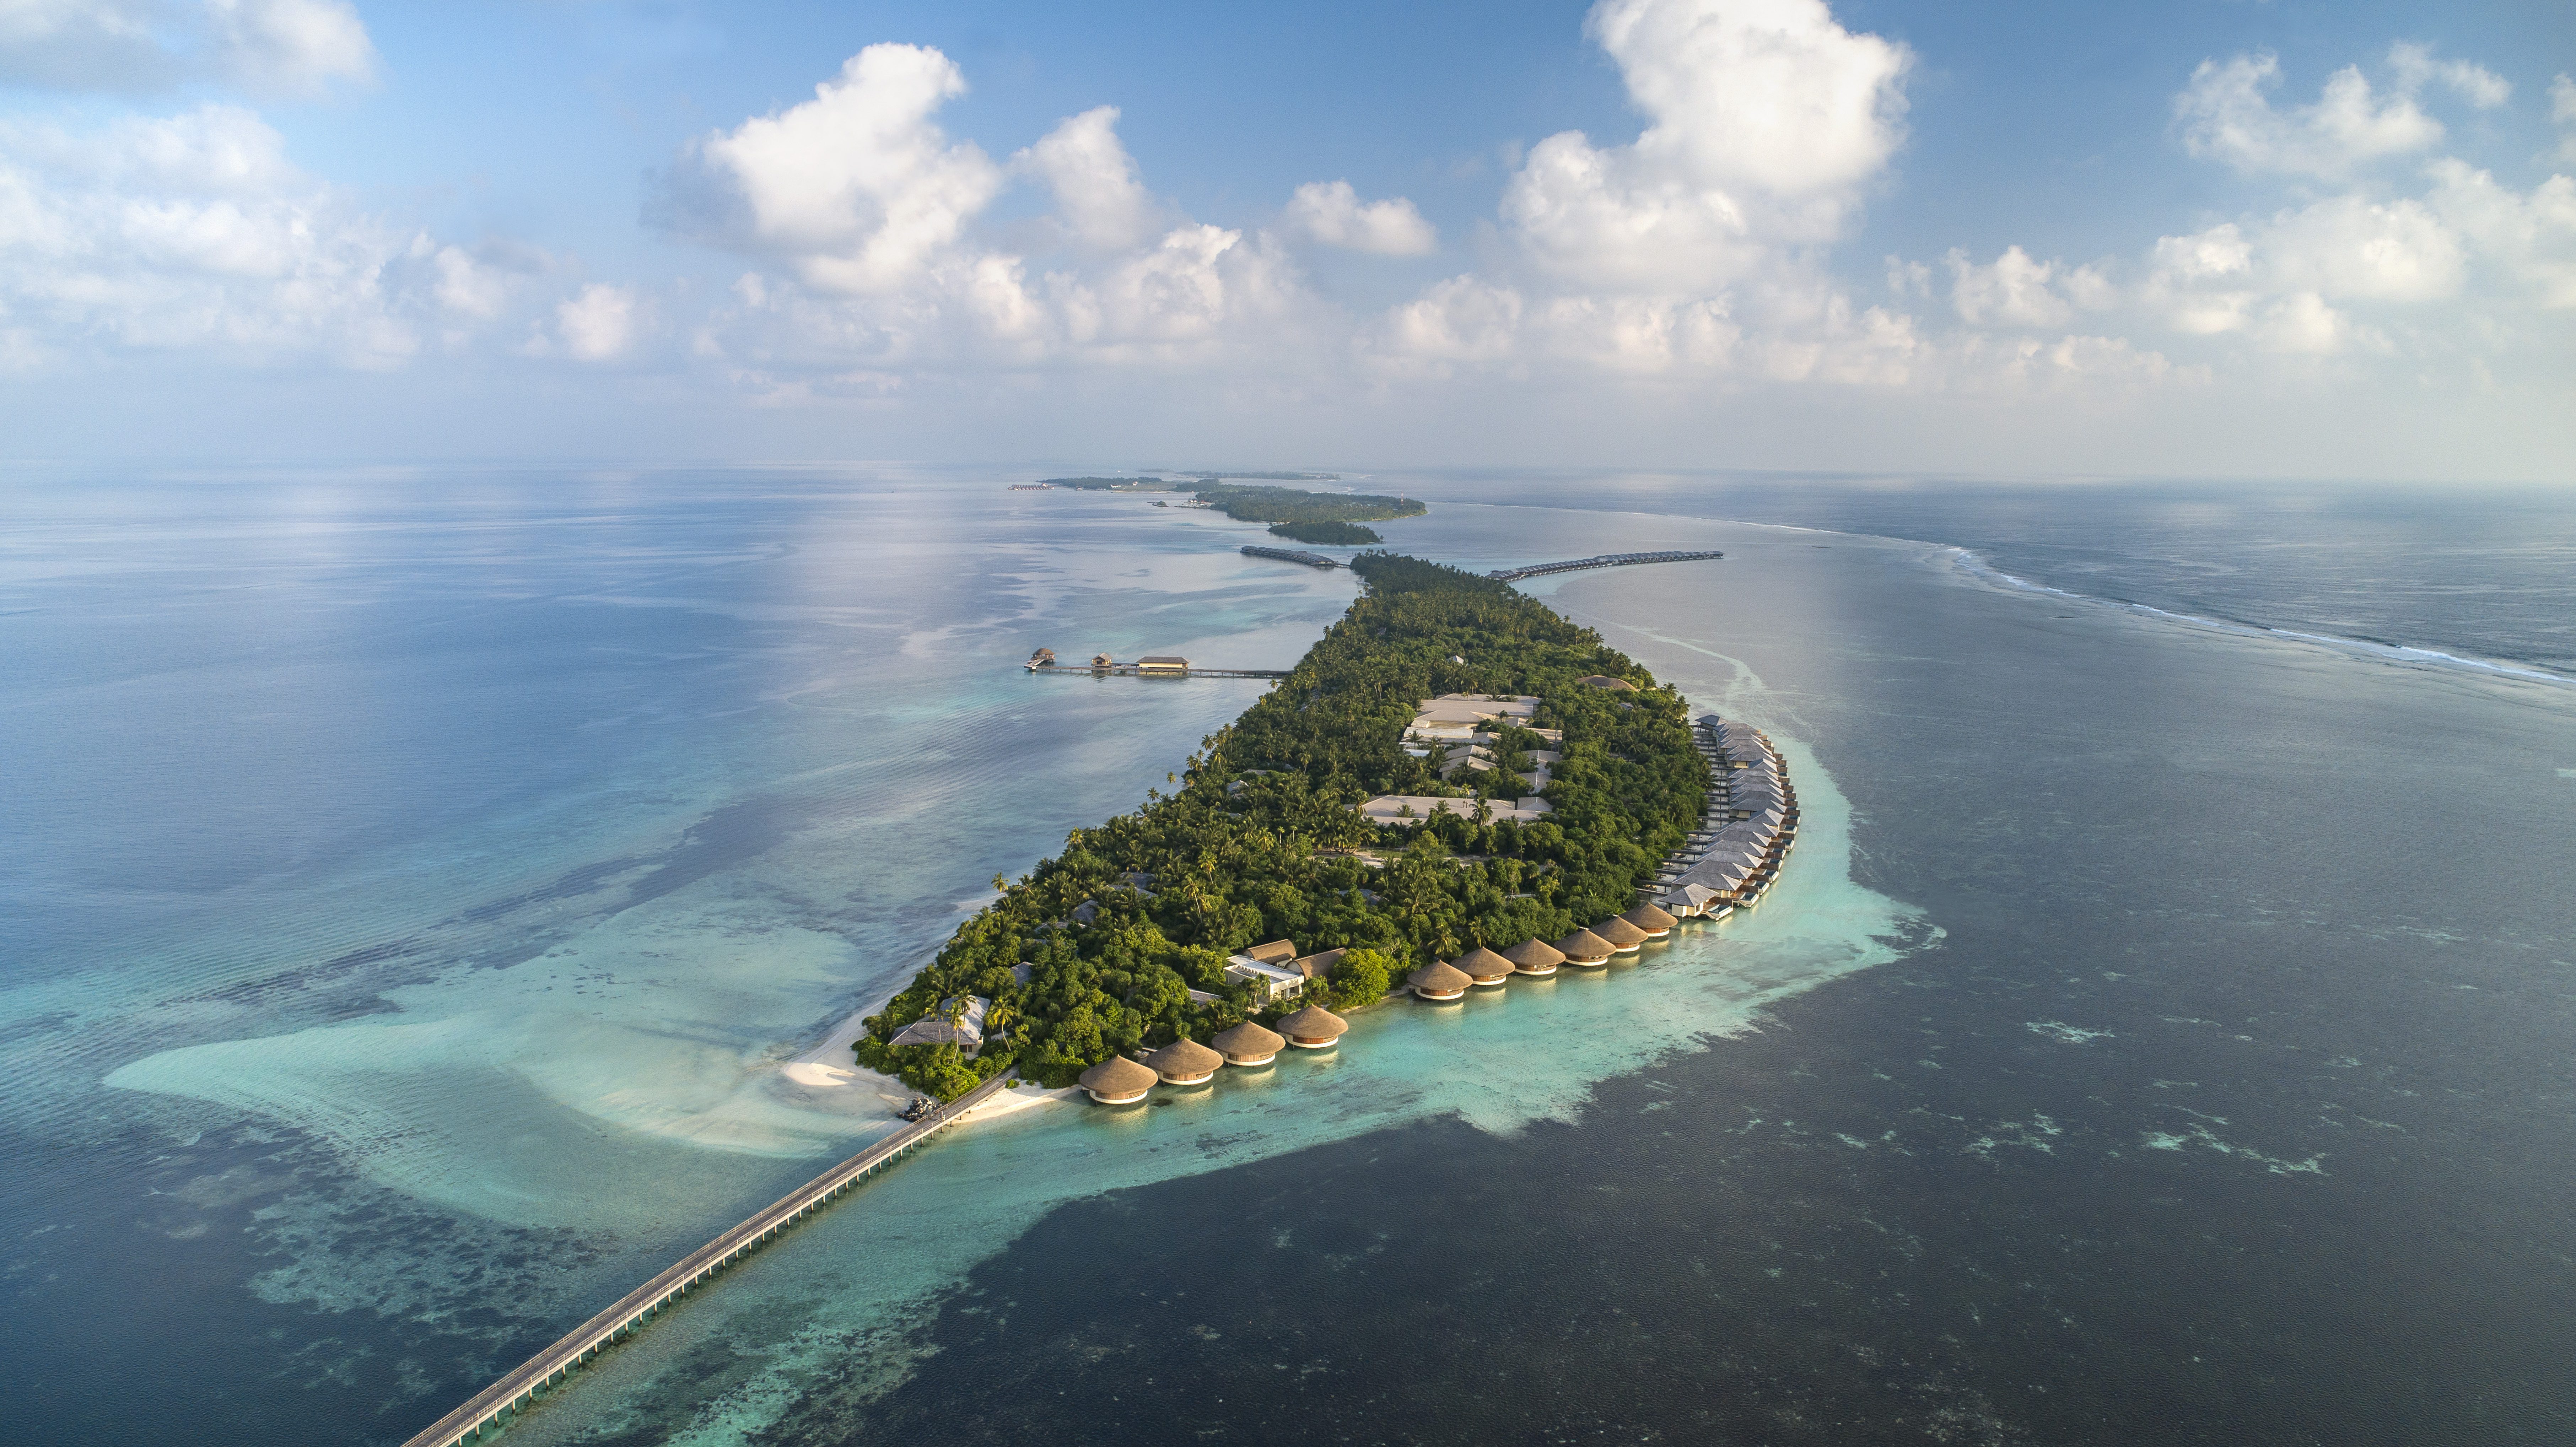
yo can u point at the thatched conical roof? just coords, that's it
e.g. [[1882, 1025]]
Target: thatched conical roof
[[1619, 932], [1583, 947], [1535, 956], [1481, 963], [1248, 1039], [1116, 1076], [1313, 1023], [1650, 919], [1438, 980], [1184, 1059]]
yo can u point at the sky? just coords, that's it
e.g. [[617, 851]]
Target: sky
[[2197, 238]]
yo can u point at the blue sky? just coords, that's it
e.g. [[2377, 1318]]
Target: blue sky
[[2203, 238]]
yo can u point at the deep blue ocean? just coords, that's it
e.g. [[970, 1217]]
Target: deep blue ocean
[[431, 902]]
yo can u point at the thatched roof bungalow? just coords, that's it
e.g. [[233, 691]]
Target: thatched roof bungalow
[[1438, 982], [1483, 966], [1623, 936], [1118, 1081], [1653, 921], [1313, 1028], [1585, 950], [1535, 957], [1248, 1044], [1185, 1062]]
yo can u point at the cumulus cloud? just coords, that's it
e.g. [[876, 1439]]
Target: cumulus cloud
[[598, 324], [1765, 120], [857, 189], [1332, 213], [270, 46], [195, 231], [1100, 199], [2015, 290], [2226, 113]]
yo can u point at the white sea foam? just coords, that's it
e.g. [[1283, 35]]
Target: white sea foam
[[1967, 561]]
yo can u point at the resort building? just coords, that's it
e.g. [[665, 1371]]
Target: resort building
[[933, 1029], [1162, 665], [1248, 1044], [1482, 966], [1118, 1081], [1318, 966], [1438, 982], [1270, 969], [1313, 1028], [1414, 808], [1185, 1062], [1535, 957], [1655, 922]]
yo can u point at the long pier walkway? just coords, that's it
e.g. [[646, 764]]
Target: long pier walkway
[[489, 1408], [1130, 670], [1606, 560]]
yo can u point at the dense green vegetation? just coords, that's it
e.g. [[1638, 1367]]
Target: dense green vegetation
[[1260, 840], [1265, 504], [1332, 534]]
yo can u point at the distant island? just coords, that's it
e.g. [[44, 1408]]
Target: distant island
[[1181, 484], [1330, 533], [1547, 812]]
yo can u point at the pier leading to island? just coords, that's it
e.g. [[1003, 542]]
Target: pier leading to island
[[490, 1409]]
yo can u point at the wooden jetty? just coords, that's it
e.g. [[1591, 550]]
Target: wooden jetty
[[490, 1408], [1291, 555], [1606, 560], [1150, 668]]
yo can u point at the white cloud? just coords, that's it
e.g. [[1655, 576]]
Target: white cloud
[[194, 231], [290, 46], [2017, 291], [857, 189], [2226, 113], [599, 324], [1766, 118], [1331, 213], [1099, 197], [268, 46]]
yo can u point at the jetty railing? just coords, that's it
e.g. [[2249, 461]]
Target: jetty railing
[[488, 1408], [1129, 670], [1606, 560]]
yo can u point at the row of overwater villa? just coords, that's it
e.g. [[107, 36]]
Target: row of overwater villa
[[1750, 825]]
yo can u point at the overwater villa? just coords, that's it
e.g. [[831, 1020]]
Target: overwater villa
[[1585, 950], [1313, 1028], [1482, 966], [1623, 936], [1655, 922], [1535, 957], [1248, 1044], [1118, 1081], [1438, 982], [1185, 1062]]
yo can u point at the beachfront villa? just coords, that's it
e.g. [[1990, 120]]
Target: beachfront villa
[[1585, 950], [1248, 1044], [1118, 1081], [1438, 982], [1185, 1062], [1483, 967], [1313, 1028], [1535, 957]]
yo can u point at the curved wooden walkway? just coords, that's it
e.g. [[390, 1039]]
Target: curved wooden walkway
[[489, 1408]]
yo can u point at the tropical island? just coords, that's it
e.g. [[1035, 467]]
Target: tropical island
[[1331, 518], [1133, 937], [1330, 532]]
